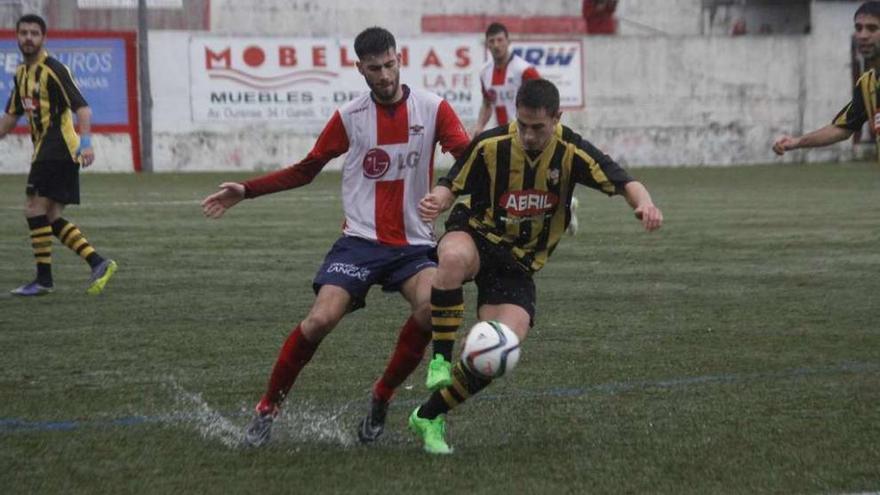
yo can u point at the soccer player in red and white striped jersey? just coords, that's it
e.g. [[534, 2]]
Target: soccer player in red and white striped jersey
[[501, 78], [389, 136]]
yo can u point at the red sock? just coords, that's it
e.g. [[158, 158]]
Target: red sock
[[295, 354], [408, 352]]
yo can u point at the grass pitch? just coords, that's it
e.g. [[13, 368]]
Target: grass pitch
[[734, 351]]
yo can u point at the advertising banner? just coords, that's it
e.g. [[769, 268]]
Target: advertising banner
[[303, 80]]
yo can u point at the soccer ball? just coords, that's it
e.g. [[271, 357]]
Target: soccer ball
[[491, 349]]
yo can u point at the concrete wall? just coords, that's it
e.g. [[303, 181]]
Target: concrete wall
[[650, 100]]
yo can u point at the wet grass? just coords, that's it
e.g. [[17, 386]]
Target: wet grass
[[735, 351]]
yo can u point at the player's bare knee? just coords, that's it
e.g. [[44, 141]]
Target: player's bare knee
[[318, 325]]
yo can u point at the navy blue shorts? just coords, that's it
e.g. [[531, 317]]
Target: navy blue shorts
[[357, 264]]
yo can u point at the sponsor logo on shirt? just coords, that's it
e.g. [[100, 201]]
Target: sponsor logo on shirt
[[416, 130], [529, 203], [376, 163]]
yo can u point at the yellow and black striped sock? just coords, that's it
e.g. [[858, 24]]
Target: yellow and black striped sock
[[447, 313], [465, 384], [70, 236], [41, 242]]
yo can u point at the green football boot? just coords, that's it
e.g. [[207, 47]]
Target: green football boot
[[431, 431], [100, 275], [439, 373]]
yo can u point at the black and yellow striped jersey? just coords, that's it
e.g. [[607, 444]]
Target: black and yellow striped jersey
[[524, 202], [863, 106], [45, 91]]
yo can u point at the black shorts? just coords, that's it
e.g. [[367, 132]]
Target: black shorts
[[57, 180], [501, 280]]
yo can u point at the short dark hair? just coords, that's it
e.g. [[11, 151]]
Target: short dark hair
[[869, 8], [374, 41], [31, 19], [495, 28], [537, 94]]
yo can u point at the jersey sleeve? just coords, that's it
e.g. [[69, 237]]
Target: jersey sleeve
[[530, 73], [13, 104], [332, 142], [72, 96], [468, 171], [855, 113], [597, 170], [451, 135]]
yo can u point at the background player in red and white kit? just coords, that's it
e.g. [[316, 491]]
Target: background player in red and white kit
[[501, 78], [389, 135]]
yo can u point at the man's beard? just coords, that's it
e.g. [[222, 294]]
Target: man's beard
[[385, 93], [28, 49]]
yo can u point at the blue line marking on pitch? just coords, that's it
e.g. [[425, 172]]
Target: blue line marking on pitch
[[13, 425]]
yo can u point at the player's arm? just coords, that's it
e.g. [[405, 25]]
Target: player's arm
[[451, 135], [74, 100], [7, 123], [639, 199], [847, 121], [460, 180], [13, 112], [829, 134], [332, 142], [84, 120], [597, 170], [482, 118]]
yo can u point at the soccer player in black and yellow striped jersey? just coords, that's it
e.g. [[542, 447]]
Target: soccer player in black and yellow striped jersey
[[864, 104], [45, 91], [520, 179]]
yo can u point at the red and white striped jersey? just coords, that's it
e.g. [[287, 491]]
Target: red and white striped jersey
[[500, 85], [389, 166]]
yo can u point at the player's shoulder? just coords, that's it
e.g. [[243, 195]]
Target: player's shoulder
[[518, 63], [570, 137], [488, 66], [867, 77], [356, 105], [499, 133], [55, 65], [424, 96]]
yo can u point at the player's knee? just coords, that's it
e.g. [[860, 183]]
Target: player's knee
[[456, 260], [317, 325]]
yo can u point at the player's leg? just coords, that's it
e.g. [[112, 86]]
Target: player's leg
[[71, 236], [330, 305], [414, 337], [341, 284], [459, 260], [505, 292], [428, 420], [35, 212]]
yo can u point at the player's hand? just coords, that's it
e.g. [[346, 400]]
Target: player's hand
[[650, 216], [86, 157], [229, 195], [430, 208], [785, 143]]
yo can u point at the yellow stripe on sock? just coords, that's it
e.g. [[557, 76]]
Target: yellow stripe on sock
[[41, 231], [78, 243], [448, 398], [443, 335], [87, 251], [41, 239], [65, 230], [446, 322], [462, 391]]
